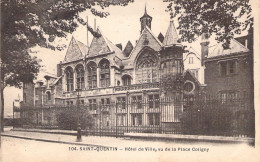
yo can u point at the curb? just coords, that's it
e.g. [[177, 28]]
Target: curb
[[54, 141], [172, 137], [194, 138], [50, 132]]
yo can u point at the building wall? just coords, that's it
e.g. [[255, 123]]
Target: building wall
[[28, 94], [241, 81], [195, 66]]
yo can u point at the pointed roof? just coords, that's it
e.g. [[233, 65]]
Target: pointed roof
[[160, 37], [101, 45], [75, 51], [145, 13], [235, 47], [154, 42], [191, 50], [171, 36], [188, 71], [128, 48]]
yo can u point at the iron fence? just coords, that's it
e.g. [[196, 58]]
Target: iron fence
[[200, 115]]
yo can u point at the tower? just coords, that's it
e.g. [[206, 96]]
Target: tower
[[171, 63], [146, 20]]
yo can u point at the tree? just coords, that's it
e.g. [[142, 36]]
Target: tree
[[29, 23], [68, 119], [222, 17]]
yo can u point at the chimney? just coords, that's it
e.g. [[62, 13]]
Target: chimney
[[119, 46], [59, 69], [204, 47]]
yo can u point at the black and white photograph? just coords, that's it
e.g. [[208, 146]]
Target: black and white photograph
[[129, 80]]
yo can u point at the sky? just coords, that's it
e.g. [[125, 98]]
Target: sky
[[122, 25]]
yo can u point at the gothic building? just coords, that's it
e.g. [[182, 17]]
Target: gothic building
[[104, 73]]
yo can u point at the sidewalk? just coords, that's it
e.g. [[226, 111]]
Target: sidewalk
[[69, 137]]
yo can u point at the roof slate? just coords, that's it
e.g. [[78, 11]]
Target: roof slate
[[75, 51], [99, 46], [171, 36], [235, 47], [128, 48]]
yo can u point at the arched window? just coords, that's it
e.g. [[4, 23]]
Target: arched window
[[104, 73], [92, 75], [80, 77], [146, 68], [69, 79], [168, 67], [48, 95], [126, 80]]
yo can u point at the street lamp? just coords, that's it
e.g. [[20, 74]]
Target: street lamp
[[78, 120]]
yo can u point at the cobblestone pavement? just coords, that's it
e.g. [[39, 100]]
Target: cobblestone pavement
[[17, 149]]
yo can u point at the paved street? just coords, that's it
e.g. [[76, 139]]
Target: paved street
[[17, 149]]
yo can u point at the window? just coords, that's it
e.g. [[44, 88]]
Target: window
[[189, 86], [137, 119], [80, 77], [69, 79], [146, 68], [71, 102], [168, 67], [48, 95], [154, 101], [105, 101], [92, 104], [154, 119], [121, 102], [82, 102], [104, 73], [121, 118], [190, 60], [126, 80], [25, 85], [137, 102], [228, 96], [92, 75], [227, 67]]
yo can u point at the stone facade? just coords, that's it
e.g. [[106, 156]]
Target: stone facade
[[104, 74]]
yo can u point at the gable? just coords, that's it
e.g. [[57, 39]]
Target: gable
[[73, 52], [147, 39], [128, 49], [98, 46], [189, 76]]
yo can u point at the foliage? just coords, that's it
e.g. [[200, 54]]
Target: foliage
[[222, 17], [68, 119], [208, 117], [171, 82], [29, 23]]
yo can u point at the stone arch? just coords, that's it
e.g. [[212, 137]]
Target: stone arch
[[104, 66], [91, 69], [80, 76], [69, 77], [146, 66]]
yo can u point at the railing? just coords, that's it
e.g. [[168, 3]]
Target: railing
[[204, 115], [137, 86]]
